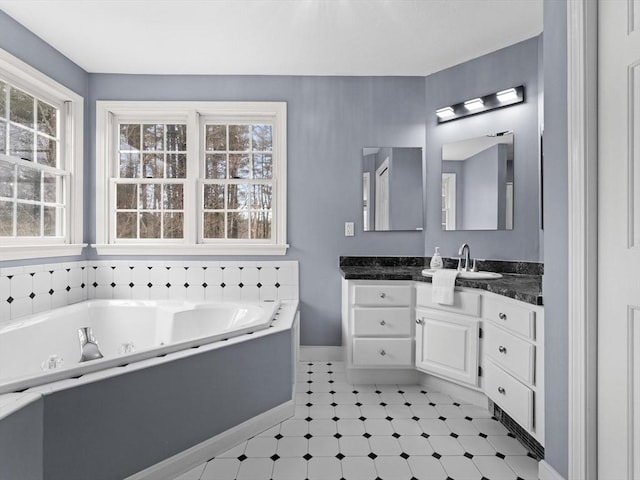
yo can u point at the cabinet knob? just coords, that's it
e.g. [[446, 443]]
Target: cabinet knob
[[502, 316], [502, 349], [383, 295], [501, 391], [383, 323], [383, 353], [419, 321]]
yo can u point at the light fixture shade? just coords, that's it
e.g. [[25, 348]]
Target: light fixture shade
[[507, 95], [445, 112], [474, 104]]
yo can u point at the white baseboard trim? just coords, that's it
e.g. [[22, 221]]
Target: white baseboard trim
[[182, 462], [547, 472], [320, 354]]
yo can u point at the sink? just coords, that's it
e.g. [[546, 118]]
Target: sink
[[428, 272]]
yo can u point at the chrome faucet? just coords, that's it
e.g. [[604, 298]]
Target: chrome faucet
[[89, 349], [464, 250]]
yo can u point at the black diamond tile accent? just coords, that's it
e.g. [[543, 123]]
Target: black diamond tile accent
[[309, 404], [362, 418], [241, 284], [131, 284], [456, 404], [32, 295], [309, 381], [436, 455], [223, 285], [275, 457], [468, 455], [442, 418], [307, 457], [483, 435], [372, 456], [277, 285], [383, 404], [483, 478], [330, 372], [339, 456], [413, 478], [68, 288], [337, 435], [358, 404], [407, 404], [395, 435], [242, 457], [205, 285], [415, 418], [400, 392], [309, 372], [51, 291], [366, 435], [113, 284], [331, 381], [259, 285], [425, 435], [389, 418], [432, 404], [378, 392], [308, 419], [309, 392], [151, 285], [404, 455], [335, 419], [423, 392], [10, 299], [95, 284], [355, 392], [278, 437], [82, 285], [500, 455], [186, 285], [454, 435], [168, 285], [334, 404], [308, 436], [468, 418]]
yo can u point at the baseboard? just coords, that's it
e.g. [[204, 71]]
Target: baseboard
[[176, 465], [320, 354], [547, 472]]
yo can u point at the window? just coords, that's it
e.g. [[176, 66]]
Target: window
[[40, 164], [191, 178]]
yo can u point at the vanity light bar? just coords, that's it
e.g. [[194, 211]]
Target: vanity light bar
[[503, 98]]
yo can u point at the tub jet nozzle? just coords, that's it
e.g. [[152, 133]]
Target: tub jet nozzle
[[89, 349]]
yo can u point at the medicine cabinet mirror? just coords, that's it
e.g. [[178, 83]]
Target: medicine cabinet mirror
[[477, 183], [392, 188]]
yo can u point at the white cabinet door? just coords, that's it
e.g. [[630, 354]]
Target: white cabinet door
[[447, 346]]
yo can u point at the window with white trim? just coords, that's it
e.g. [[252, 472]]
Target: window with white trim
[[191, 178], [40, 164]]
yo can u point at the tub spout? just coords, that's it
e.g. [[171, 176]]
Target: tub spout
[[89, 349]]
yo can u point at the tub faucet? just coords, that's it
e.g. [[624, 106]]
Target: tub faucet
[[464, 250], [89, 349]]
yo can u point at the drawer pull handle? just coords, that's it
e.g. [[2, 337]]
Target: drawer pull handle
[[383, 353], [501, 391], [419, 321], [502, 349], [383, 323], [383, 295], [502, 316]]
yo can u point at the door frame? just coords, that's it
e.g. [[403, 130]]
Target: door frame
[[582, 109]]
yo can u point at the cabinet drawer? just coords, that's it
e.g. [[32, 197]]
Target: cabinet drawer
[[383, 295], [385, 322], [514, 316], [467, 303], [511, 395], [510, 352], [382, 352]]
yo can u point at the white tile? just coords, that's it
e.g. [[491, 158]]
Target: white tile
[[393, 468], [195, 293], [424, 411], [399, 411], [345, 397], [21, 307], [378, 426], [461, 426], [460, 467], [60, 298], [213, 293], [494, 468], [231, 276], [59, 279], [323, 387], [270, 432], [349, 411], [294, 427], [320, 377], [104, 275], [286, 275], [194, 276], [358, 468], [524, 466], [320, 398], [323, 446], [392, 397], [384, 445], [415, 445], [261, 447], [292, 447], [104, 292], [416, 398], [406, 426], [156, 292], [250, 276], [267, 276], [250, 293], [286, 292], [426, 467], [476, 445], [445, 445], [373, 411], [474, 411], [196, 473], [506, 445], [177, 276], [322, 427], [450, 411], [231, 293], [356, 446], [369, 398], [21, 285], [176, 292], [440, 398], [324, 468], [255, 469], [41, 302], [75, 277], [489, 426], [234, 452], [433, 426], [301, 411], [5, 309], [350, 426], [268, 292], [41, 282], [76, 294], [122, 275], [289, 469], [122, 292]]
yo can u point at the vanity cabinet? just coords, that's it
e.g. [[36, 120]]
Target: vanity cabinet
[[448, 336], [377, 325]]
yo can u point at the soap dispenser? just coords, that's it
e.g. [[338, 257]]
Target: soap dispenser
[[436, 260]]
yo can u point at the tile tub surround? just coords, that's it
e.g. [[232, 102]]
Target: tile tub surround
[[520, 281], [26, 290], [373, 431]]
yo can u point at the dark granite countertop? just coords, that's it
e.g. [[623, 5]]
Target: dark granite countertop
[[526, 287]]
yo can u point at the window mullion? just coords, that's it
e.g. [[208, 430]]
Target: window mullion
[[192, 195]]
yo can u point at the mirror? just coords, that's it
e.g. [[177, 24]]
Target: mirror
[[477, 183], [392, 188]]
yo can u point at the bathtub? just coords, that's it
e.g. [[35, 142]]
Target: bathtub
[[45, 347]]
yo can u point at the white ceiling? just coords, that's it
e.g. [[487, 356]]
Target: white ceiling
[[276, 37]]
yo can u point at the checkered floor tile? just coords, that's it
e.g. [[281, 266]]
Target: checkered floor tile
[[373, 432]]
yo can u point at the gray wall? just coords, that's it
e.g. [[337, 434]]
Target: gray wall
[[329, 119], [479, 185], [509, 67], [556, 236], [405, 189]]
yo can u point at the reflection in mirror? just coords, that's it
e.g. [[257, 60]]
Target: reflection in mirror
[[392, 188], [477, 183]]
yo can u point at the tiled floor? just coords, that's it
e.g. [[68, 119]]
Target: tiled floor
[[388, 432]]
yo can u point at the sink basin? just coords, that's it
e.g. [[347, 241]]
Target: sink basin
[[428, 272]]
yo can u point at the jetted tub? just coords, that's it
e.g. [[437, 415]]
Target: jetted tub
[[45, 347]]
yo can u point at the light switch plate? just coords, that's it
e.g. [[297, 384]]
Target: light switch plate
[[348, 229]]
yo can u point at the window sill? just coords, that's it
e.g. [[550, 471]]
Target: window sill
[[24, 252], [199, 249]]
